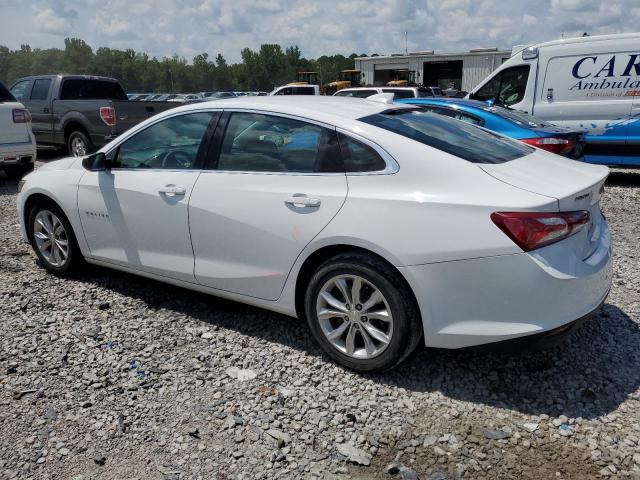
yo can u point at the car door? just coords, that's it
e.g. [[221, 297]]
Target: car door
[[274, 183], [39, 105], [135, 213], [632, 156]]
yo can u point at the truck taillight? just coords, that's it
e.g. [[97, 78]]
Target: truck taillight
[[21, 115], [108, 115], [551, 144], [531, 230]]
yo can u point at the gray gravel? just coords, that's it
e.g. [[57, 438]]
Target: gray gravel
[[110, 376]]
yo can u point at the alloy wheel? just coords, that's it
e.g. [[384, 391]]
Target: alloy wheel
[[354, 316], [78, 147], [51, 238]]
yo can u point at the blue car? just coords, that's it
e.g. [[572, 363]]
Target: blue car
[[568, 142]]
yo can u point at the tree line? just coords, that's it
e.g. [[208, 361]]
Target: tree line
[[263, 69]]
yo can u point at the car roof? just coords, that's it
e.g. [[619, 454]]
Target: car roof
[[446, 101], [331, 110]]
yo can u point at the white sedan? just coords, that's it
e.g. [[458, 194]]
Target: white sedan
[[382, 225], [17, 143]]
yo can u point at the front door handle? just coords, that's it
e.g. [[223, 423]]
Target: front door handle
[[45, 110], [301, 200], [172, 190]]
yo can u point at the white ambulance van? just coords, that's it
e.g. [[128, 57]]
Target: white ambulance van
[[586, 82]]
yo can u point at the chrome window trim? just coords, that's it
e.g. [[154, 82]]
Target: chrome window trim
[[392, 165]]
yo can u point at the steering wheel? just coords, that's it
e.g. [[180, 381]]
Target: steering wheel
[[176, 159]]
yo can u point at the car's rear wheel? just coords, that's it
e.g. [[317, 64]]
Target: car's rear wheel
[[78, 144], [362, 313], [53, 240]]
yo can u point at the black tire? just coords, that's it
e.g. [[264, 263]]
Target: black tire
[[77, 141], [74, 257], [407, 324], [18, 171]]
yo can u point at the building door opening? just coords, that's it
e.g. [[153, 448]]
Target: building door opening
[[447, 74]]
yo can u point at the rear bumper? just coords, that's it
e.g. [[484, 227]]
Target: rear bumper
[[485, 300], [538, 341], [16, 154]]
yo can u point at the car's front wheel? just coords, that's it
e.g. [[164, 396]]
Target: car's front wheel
[[362, 313], [53, 240]]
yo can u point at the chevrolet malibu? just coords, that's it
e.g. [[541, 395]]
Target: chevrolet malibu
[[382, 225]]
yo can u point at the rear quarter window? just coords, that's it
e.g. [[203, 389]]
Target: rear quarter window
[[457, 138]]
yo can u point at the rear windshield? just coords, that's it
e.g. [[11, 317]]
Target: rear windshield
[[82, 89], [5, 95], [520, 118], [457, 138]]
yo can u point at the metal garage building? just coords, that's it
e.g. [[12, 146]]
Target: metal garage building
[[463, 71]]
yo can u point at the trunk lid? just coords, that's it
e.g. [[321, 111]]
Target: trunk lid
[[575, 185]]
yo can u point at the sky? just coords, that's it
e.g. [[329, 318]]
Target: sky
[[189, 27]]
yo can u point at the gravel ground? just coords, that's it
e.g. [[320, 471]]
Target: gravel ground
[[110, 376]]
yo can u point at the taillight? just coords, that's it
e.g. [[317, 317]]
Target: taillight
[[551, 144], [21, 115], [531, 230], [108, 115]]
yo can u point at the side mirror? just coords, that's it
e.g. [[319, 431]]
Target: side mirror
[[96, 162]]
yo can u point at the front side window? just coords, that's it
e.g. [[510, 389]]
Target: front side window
[[506, 87], [40, 90], [171, 144], [267, 143], [285, 91], [359, 157], [21, 90], [305, 91], [468, 142]]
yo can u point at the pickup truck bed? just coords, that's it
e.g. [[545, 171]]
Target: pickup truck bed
[[80, 112]]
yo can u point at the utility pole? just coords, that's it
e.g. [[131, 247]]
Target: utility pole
[[406, 50]]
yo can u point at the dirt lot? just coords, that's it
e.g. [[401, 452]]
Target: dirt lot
[[111, 376]]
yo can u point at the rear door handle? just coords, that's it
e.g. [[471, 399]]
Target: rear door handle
[[302, 200], [172, 190]]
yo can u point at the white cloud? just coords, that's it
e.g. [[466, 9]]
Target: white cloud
[[48, 21], [184, 27]]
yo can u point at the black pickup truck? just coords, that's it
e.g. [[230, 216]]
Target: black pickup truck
[[80, 112]]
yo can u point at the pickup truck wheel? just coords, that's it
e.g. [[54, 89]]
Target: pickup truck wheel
[[78, 144]]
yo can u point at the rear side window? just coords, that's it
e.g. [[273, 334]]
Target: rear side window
[[268, 143], [456, 138], [82, 89], [5, 95], [507, 87], [424, 92], [359, 157], [398, 93], [40, 90], [450, 112], [356, 93]]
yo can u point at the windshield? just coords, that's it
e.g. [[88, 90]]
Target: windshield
[[5, 95], [518, 117], [463, 140]]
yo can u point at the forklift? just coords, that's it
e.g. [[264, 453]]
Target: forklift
[[346, 79]]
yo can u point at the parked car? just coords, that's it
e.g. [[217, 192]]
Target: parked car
[[219, 95], [183, 97], [17, 144], [379, 232], [80, 112], [586, 82], [399, 92], [296, 90], [512, 123]]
